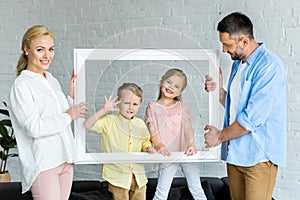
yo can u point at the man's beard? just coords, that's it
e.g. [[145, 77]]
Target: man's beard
[[236, 56]]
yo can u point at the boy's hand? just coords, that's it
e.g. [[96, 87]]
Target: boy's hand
[[109, 103], [191, 151], [162, 149], [149, 150]]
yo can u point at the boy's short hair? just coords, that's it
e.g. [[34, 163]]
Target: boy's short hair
[[134, 88]]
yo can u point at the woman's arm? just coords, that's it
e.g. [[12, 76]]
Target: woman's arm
[[71, 84], [35, 111]]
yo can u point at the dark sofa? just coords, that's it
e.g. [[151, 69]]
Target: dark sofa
[[214, 188]]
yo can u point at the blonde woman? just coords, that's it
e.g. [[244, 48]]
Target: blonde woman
[[41, 117]]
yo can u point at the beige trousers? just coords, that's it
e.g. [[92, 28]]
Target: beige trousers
[[135, 193], [252, 183]]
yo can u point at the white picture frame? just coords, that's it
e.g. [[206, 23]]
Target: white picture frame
[[83, 55]]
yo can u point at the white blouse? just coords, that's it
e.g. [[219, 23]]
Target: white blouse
[[42, 128]]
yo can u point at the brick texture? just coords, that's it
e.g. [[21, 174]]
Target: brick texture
[[156, 24]]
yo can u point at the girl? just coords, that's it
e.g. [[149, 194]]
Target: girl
[[169, 123], [41, 117]]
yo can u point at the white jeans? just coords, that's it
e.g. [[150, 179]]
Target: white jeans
[[166, 174]]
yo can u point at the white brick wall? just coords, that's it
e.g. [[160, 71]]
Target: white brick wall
[[92, 23]]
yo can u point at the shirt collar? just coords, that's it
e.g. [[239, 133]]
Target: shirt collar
[[32, 74], [253, 55], [121, 117]]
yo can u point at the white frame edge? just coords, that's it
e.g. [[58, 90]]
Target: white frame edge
[[81, 55]]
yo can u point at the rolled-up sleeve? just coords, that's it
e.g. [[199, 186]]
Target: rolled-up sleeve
[[263, 91]]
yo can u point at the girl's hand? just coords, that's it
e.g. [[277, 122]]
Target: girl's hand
[[109, 103], [162, 149], [191, 151], [149, 150]]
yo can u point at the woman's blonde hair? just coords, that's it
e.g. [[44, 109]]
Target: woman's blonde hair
[[170, 73], [32, 33]]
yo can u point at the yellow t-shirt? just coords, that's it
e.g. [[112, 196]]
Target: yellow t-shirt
[[119, 134]]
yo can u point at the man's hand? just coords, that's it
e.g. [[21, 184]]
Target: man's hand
[[212, 137], [210, 84]]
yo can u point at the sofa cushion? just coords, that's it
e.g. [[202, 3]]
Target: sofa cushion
[[207, 190], [98, 190], [12, 191], [183, 193], [224, 192], [86, 185], [179, 193], [102, 194], [217, 187]]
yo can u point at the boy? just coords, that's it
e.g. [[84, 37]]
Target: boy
[[123, 132]]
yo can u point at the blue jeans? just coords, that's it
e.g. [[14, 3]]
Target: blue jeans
[[166, 174]]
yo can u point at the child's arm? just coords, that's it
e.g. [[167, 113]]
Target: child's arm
[[107, 107], [146, 144], [158, 145], [188, 129]]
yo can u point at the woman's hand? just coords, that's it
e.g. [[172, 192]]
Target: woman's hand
[[71, 84], [78, 111]]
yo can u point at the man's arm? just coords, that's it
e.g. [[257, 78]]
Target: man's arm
[[210, 85], [214, 136]]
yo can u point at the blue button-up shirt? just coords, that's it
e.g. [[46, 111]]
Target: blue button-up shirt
[[261, 110]]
